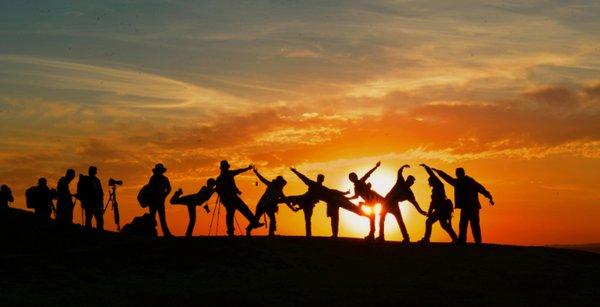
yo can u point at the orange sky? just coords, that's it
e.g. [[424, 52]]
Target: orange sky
[[509, 91]]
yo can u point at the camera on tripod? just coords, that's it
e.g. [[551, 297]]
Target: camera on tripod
[[114, 182]]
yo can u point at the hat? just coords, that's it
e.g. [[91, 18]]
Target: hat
[[159, 168]]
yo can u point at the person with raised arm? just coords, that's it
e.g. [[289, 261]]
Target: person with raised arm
[[270, 200], [466, 198], [440, 208], [401, 191], [333, 198], [362, 189], [229, 195]]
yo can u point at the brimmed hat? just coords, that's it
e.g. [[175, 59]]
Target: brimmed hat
[[159, 168]]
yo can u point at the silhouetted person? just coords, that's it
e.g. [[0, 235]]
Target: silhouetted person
[[270, 200], [370, 197], [440, 208], [91, 197], [6, 197], [229, 195], [466, 198], [159, 187], [307, 202], [64, 203], [334, 200], [144, 225], [400, 192], [193, 200], [41, 197]]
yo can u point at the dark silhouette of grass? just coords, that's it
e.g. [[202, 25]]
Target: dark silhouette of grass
[[45, 265]]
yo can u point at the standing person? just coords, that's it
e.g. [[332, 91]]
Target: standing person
[[400, 192], [160, 187], [440, 208], [466, 198], [229, 194], [5, 198], [370, 197], [91, 196], [191, 201], [269, 201], [64, 204], [43, 199], [334, 200]]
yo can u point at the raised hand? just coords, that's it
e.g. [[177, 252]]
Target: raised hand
[[378, 164]]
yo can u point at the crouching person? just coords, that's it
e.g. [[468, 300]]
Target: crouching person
[[144, 225]]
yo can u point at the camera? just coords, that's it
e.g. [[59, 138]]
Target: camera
[[114, 182]]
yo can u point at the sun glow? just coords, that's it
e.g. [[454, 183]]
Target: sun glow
[[382, 180]]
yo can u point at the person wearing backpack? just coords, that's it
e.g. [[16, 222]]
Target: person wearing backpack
[[440, 208], [40, 198], [91, 196]]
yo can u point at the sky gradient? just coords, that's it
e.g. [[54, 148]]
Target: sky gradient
[[510, 90]]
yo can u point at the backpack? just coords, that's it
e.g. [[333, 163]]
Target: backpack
[[144, 196], [31, 197]]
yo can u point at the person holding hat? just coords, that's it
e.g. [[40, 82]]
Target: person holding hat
[[229, 194], [160, 187], [270, 200]]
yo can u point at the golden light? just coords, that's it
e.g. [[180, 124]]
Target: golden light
[[381, 181]]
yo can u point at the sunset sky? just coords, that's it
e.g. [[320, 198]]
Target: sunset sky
[[510, 90]]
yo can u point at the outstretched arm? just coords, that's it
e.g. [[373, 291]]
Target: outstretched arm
[[430, 172], [260, 177], [236, 172], [368, 174], [481, 189], [445, 176], [413, 201], [301, 176]]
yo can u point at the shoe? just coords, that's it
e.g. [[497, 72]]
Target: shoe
[[370, 237], [405, 242], [423, 241], [380, 239], [178, 192]]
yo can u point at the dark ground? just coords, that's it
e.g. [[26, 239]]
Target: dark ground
[[41, 265]]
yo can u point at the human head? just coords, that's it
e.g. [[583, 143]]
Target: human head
[[159, 168], [280, 181], [353, 177], [42, 182], [70, 174], [92, 171], [410, 180], [211, 182], [320, 178], [224, 165], [460, 172], [5, 190]]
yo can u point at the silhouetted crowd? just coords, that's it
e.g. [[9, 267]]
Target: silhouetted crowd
[[45, 200]]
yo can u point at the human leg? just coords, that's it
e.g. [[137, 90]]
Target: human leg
[[192, 223]]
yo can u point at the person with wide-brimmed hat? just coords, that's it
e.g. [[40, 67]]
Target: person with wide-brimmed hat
[[160, 187], [229, 195]]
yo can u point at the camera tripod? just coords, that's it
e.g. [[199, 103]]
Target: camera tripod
[[217, 210], [112, 200]]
